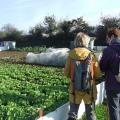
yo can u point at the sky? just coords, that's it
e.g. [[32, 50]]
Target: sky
[[24, 14]]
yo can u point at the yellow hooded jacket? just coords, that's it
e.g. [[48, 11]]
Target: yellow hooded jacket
[[78, 96]]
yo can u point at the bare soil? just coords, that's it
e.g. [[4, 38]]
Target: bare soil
[[18, 56]]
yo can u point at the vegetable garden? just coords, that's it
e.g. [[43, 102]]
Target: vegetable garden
[[25, 88]]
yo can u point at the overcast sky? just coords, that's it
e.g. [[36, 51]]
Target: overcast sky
[[24, 14]]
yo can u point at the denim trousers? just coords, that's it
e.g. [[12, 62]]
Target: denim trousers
[[113, 97]]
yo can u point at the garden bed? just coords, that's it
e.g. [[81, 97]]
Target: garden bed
[[25, 88], [12, 56]]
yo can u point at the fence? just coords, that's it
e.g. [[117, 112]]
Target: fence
[[99, 48]]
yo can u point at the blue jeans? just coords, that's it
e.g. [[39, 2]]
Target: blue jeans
[[113, 104]]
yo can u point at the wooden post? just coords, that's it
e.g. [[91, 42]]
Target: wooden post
[[40, 112]]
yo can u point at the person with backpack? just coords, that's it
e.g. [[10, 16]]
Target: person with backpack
[[110, 65], [82, 68]]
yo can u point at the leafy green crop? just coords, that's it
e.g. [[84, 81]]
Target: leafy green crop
[[24, 88], [32, 49]]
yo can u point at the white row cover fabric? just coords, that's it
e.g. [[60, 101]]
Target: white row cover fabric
[[53, 56]]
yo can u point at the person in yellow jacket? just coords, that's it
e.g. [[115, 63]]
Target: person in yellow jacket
[[81, 52]]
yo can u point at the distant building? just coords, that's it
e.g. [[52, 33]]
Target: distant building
[[6, 45]]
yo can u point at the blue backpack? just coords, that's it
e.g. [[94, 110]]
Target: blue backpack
[[82, 74]]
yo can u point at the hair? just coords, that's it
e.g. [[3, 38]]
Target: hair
[[113, 31], [81, 40]]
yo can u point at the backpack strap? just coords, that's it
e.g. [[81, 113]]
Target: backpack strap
[[119, 66], [91, 65]]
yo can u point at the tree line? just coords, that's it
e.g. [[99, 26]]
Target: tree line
[[52, 33]]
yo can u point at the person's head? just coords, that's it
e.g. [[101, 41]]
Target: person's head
[[112, 34], [81, 40]]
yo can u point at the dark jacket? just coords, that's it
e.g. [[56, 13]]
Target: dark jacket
[[110, 65]]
